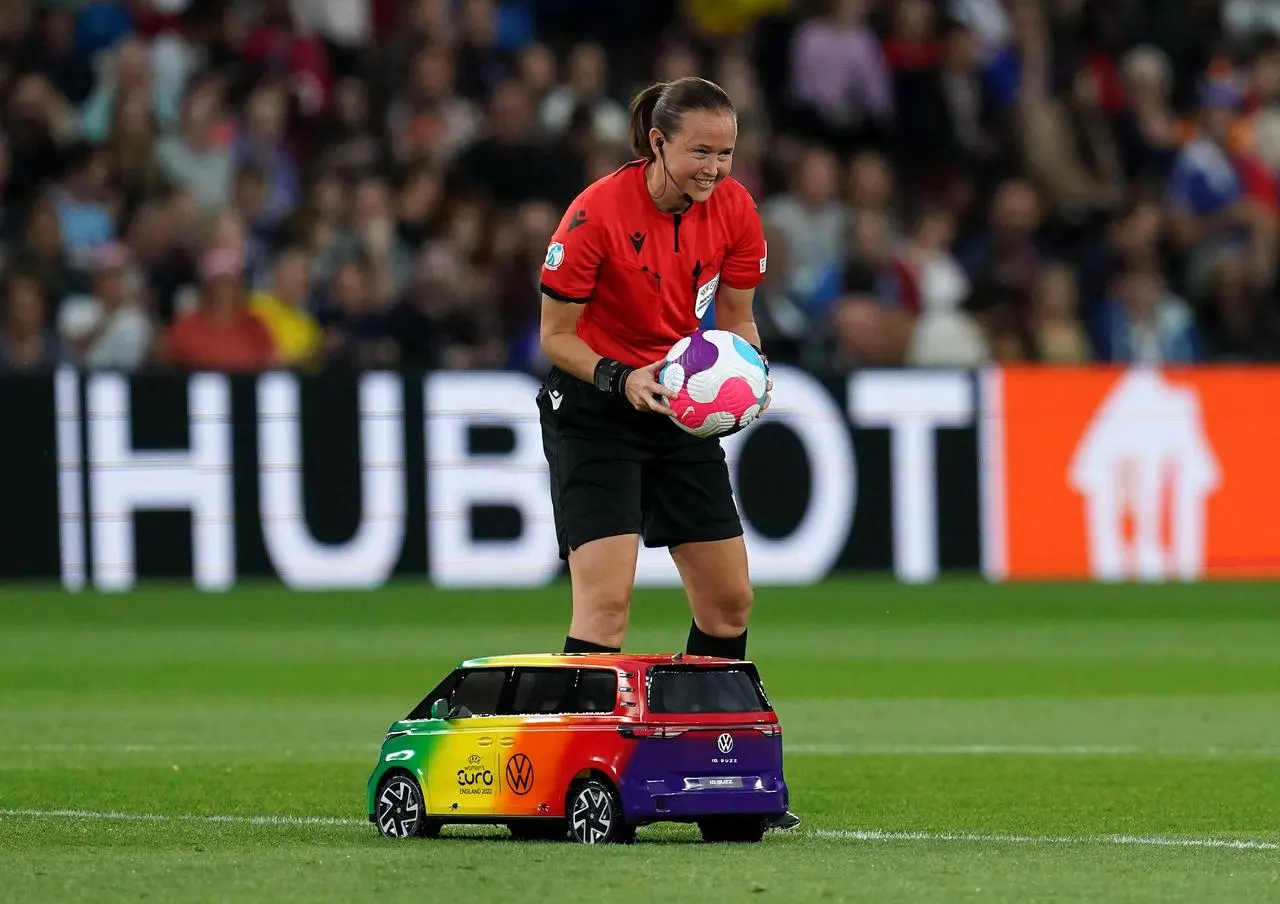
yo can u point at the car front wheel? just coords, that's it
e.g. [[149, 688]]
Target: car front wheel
[[400, 811]]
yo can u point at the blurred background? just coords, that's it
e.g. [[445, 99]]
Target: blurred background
[[320, 184]]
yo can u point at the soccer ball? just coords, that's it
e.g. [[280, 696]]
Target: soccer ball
[[719, 380]]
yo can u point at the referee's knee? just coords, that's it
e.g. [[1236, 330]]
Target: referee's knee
[[601, 617], [727, 613]]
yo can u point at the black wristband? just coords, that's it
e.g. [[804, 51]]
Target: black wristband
[[763, 358], [611, 376]]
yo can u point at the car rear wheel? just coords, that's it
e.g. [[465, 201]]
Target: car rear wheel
[[595, 814], [727, 829], [400, 811]]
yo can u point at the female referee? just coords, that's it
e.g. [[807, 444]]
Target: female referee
[[632, 268], [636, 261]]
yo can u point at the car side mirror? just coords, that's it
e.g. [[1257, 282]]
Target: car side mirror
[[440, 709]]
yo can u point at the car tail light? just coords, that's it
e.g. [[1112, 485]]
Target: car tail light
[[650, 731], [671, 731]]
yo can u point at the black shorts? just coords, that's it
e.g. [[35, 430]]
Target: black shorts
[[615, 471]]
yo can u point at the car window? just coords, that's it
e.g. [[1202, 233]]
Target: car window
[[479, 691], [443, 689], [597, 691], [543, 691], [702, 690]]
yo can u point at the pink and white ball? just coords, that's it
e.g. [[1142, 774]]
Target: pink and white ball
[[719, 380]]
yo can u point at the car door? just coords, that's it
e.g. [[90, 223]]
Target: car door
[[552, 715], [462, 764]]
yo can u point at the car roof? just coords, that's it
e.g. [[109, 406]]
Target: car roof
[[606, 660]]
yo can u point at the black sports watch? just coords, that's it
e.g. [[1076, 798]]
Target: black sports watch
[[611, 376]]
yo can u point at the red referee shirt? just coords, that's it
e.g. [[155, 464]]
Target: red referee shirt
[[648, 277]]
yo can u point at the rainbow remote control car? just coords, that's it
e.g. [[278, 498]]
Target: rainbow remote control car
[[587, 747]]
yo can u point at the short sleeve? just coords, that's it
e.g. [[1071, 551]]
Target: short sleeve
[[573, 256], [747, 259]]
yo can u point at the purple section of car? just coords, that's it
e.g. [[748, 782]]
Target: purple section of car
[[700, 774], [700, 354]]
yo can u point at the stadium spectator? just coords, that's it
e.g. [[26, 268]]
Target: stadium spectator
[[108, 329], [192, 156], [43, 253], [1227, 237], [220, 333], [586, 86], [261, 144], [285, 310], [428, 118], [37, 119], [27, 343], [357, 332], [944, 333], [509, 165], [51, 51], [438, 323], [1069, 148], [840, 77], [84, 218], [1146, 128], [1057, 335], [1143, 323], [814, 222], [1006, 254], [129, 153]]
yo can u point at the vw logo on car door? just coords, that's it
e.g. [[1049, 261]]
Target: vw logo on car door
[[725, 742]]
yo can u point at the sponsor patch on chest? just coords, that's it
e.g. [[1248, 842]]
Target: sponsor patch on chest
[[705, 294]]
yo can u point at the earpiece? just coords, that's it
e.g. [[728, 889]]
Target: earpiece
[[688, 199]]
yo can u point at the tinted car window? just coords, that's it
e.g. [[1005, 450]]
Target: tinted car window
[[443, 689], [704, 691], [597, 691], [542, 691], [479, 691]]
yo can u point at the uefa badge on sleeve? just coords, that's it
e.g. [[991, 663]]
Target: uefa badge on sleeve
[[555, 256]]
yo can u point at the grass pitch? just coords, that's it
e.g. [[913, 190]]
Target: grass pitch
[[957, 742]]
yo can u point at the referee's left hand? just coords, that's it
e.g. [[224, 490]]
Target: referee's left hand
[[645, 393], [768, 396]]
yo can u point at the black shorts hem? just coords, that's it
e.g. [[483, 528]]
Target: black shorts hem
[[590, 531], [720, 530]]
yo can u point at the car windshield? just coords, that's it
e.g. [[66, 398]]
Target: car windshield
[[702, 690]]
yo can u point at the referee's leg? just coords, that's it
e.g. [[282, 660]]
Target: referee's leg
[[595, 493], [688, 507]]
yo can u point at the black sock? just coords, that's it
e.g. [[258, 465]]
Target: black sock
[[703, 644], [573, 645]]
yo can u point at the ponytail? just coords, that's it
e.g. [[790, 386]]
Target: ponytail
[[642, 119]]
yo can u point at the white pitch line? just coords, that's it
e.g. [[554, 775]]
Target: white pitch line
[[183, 817], [865, 835], [1241, 844], [1020, 750]]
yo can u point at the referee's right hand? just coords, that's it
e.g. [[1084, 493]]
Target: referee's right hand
[[644, 391]]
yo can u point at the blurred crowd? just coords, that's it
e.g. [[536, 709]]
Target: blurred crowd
[[313, 184]]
